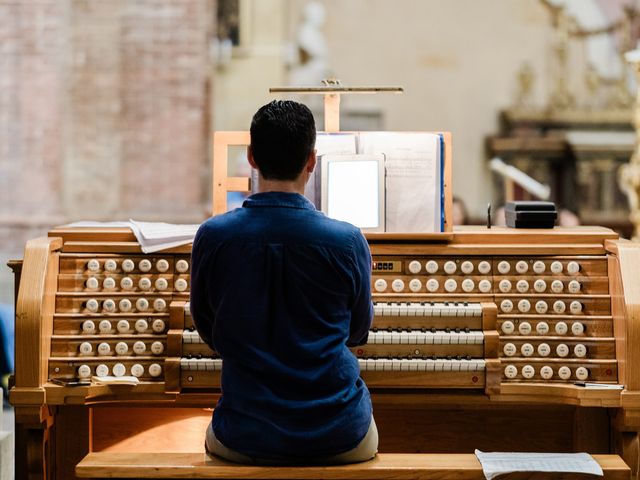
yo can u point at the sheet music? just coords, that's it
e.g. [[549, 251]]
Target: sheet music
[[413, 178], [328, 144], [500, 463]]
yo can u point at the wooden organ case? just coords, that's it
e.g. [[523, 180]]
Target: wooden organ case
[[477, 342]]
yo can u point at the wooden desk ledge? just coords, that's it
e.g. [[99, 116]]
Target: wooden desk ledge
[[386, 466]]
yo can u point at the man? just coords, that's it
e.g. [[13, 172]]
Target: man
[[280, 291]]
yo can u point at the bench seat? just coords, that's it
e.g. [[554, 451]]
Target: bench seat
[[386, 466]]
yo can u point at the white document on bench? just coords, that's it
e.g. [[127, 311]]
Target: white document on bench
[[500, 463]]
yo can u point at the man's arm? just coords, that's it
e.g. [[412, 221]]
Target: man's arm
[[362, 307], [200, 303]]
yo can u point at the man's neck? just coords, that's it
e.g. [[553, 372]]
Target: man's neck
[[289, 186]]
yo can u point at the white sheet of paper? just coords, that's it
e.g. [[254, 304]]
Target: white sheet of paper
[[328, 144], [156, 236], [499, 463], [412, 178], [353, 192]]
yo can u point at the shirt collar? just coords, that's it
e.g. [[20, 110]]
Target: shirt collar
[[278, 199]]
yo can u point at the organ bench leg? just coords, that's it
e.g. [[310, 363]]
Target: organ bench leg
[[33, 427]]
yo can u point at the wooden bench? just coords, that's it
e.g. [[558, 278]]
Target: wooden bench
[[386, 466]]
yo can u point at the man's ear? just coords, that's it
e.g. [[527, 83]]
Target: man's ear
[[250, 158], [311, 162]]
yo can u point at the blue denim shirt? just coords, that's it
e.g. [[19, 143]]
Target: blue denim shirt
[[280, 291]]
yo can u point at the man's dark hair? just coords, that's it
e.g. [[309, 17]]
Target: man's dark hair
[[283, 135]]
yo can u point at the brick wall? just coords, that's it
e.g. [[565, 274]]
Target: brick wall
[[104, 113]]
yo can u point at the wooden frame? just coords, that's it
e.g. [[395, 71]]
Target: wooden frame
[[223, 183]]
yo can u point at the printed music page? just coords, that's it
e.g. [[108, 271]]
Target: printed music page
[[413, 178], [500, 463], [328, 144]]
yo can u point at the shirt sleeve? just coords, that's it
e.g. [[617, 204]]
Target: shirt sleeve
[[362, 307], [200, 302]]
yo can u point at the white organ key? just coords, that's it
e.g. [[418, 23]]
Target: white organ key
[[415, 285], [484, 267], [110, 265], [159, 305], [144, 265], [559, 306], [450, 285], [573, 268], [93, 265], [580, 350], [562, 350], [524, 328], [504, 286], [126, 283], [88, 326], [429, 338], [466, 267], [454, 338], [162, 284], [509, 349], [128, 265], [454, 366], [92, 305], [377, 309], [574, 286], [508, 327], [564, 373], [522, 266], [522, 286], [477, 310], [506, 305], [446, 365], [504, 267], [528, 371], [137, 370], [182, 266], [395, 309], [541, 306], [109, 305], [544, 350], [575, 307], [546, 372], [542, 328], [468, 285], [397, 285], [142, 304], [538, 267], [187, 308], [484, 286], [415, 336], [380, 285], [415, 266], [577, 328], [450, 267], [582, 373], [557, 286], [104, 326], [141, 325], [144, 283], [162, 265], [524, 305], [155, 370], [84, 371], [539, 285], [526, 349], [510, 371], [386, 338], [395, 338], [556, 267]]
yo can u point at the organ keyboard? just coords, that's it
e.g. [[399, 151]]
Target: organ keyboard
[[472, 337]]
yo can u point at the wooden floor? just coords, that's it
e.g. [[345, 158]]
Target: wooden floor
[[389, 466]]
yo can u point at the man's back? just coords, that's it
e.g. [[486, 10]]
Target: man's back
[[279, 290]]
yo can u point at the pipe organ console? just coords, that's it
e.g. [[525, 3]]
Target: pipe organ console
[[480, 339]]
